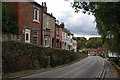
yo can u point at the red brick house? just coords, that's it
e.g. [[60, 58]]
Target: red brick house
[[29, 19], [58, 35], [96, 51]]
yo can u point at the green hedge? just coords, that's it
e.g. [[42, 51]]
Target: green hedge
[[38, 56], [116, 61]]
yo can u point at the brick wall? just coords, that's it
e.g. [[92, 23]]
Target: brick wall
[[24, 13]]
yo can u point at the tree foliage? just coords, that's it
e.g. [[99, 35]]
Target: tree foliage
[[9, 25], [81, 42], [93, 42], [107, 18]]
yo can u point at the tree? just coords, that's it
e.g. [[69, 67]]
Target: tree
[[107, 18], [9, 25], [81, 42], [94, 42]]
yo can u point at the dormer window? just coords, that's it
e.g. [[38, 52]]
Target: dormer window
[[36, 15]]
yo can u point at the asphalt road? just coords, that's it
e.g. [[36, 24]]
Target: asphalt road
[[86, 68]]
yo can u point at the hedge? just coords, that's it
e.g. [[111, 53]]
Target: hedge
[[37, 56], [116, 61]]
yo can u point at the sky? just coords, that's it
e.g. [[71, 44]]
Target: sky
[[82, 25]]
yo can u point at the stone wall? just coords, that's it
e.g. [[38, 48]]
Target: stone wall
[[9, 37]]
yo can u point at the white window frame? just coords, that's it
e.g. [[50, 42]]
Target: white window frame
[[47, 38], [47, 22], [35, 35], [27, 31], [34, 18], [57, 31]]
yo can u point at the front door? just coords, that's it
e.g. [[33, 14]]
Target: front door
[[27, 35]]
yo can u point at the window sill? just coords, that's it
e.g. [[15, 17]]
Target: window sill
[[47, 46], [36, 21], [48, 29]]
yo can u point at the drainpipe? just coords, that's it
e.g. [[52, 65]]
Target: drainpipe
[[42, 27]]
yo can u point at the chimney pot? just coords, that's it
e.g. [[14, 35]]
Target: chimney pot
[[45, 4], [51, 14], [42, 3], [57, 22]]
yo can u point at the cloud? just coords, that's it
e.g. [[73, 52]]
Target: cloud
[[78, 23]]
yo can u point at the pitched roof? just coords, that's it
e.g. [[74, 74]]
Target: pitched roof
[[49, 15], [37, 4], [67, 31]]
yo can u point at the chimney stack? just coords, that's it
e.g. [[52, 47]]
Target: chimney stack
[[51, 14], [44, 6], [57, 22], [62, 25]]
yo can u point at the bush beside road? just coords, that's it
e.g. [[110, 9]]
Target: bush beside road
[[17, 56]]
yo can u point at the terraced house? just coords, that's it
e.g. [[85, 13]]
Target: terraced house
[[29, 20], [69, 41], [58, 34], [74, 44], [37, 26], [64, 38], [48, 30]]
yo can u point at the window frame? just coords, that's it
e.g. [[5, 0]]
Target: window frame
[[47, 39], [27, 31], [35, 36], [57, 31], [47, 22], [36, 15]]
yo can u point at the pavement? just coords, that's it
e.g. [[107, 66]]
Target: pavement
[[111, 71], [86, 68]]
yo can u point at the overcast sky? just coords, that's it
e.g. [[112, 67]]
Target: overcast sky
[[78, 23]]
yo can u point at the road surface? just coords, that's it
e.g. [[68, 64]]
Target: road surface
[[86, 68]]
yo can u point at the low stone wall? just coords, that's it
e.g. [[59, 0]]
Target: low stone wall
[[9, 37]]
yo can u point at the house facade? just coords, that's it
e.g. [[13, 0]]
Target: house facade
[[38, 27], [58, 35], [48, 30], [64, 38], [74, 45], [69, 41], [29, 18]]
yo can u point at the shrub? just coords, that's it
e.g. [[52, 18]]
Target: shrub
[[19, 56], [116, 61]]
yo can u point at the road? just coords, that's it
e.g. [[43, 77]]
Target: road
[[86, 68]]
